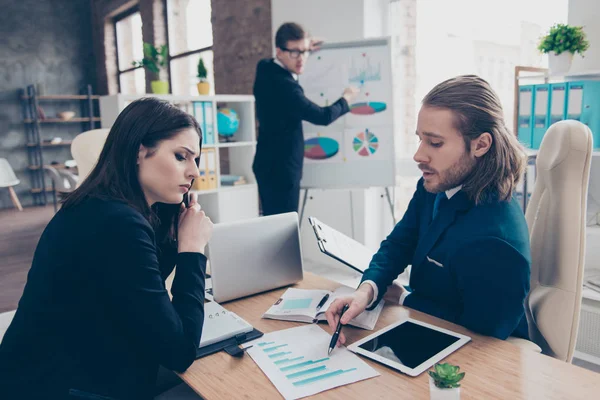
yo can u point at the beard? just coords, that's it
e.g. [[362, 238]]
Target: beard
[[451, 177]]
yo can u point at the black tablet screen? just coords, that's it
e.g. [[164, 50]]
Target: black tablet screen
[[409, 344]]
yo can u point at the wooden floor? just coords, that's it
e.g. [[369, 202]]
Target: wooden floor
[[19, 235]]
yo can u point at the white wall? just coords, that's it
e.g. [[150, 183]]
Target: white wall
[[331, 20], [586, 13]]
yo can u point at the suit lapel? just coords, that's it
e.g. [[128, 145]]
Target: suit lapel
[[446, 216]]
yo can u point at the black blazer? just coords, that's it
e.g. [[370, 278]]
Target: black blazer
[[95, 316], [281, 107]]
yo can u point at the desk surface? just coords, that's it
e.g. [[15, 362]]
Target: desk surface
[[494, 369]]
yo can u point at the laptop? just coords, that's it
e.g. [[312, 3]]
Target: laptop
[[254, 255]]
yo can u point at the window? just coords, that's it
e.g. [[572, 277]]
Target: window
[[190, 38], [130, 48]]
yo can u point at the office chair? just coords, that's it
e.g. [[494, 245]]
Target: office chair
[[62, 182], [556, 217], [86, 149], [8, 179]]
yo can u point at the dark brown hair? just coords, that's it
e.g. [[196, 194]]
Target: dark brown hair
[[288, 31], [476, 110], [147, 122]]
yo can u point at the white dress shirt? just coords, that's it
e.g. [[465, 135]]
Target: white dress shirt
[[276, 60]]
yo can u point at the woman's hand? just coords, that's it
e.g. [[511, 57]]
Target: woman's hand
[[195, 228]]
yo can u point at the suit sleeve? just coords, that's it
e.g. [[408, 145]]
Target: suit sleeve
[[302, 108], [493, 279], [397, 250], [141, 305]]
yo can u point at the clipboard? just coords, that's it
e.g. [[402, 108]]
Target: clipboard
[[341, 247], [228, 344]]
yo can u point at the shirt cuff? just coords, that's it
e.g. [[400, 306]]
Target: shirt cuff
[[403, 297], [375, 292]]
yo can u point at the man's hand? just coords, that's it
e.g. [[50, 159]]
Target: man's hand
[[315, 44], [350, 93], [358, 302]]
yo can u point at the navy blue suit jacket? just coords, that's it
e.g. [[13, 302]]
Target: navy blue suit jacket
[[470, 265]]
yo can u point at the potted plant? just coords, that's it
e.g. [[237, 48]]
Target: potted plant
[[203, 85], [155, 59], [561, 43], [443, 382]]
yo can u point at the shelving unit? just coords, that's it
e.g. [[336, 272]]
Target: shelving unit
[[34, 119], [223, 203]]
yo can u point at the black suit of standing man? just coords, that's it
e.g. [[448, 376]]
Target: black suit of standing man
[[281, 107]]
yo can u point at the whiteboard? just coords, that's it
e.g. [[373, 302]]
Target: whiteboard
[[357, 150]]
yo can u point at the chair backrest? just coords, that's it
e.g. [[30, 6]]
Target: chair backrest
[[86, 149], [556, 216], [7, 175]]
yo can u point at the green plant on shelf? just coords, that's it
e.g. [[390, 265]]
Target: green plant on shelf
[[202, 72], [154, 58], [563, 38]]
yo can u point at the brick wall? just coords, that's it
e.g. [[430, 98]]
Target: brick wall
[[241, 37]]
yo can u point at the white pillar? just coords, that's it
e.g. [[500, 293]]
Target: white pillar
[[586, 13]]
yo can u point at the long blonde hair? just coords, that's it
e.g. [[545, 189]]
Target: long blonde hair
[[476, 110]]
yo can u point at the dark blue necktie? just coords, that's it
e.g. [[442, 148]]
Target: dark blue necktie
[[439, 200]]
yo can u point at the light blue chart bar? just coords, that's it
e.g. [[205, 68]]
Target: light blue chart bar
[[282, 353], [306, 372], [265, 343], [302, 364], [288, 360], [269, 349], [324, 376]]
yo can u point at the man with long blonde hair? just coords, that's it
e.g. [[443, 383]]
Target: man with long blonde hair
[[463, 232]]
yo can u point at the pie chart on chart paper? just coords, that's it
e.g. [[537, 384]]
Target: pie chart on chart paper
[[365, 143], [367, 108], [320, 148]]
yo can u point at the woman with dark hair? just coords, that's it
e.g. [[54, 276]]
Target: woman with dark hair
[[95, 319]]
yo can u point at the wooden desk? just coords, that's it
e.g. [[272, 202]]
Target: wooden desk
[[494, 369]]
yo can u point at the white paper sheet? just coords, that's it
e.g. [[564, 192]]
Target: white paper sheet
[[296, 362]]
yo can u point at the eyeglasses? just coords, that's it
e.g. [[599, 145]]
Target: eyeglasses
[[296, 53]]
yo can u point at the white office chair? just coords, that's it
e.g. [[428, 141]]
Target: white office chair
[[557, 228], [8, 179], [86, 149]]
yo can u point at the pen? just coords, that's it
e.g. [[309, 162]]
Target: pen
[[323, 301], [321, 304], [336, 334]]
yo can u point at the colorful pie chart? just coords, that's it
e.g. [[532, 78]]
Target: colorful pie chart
[[365, 143], [369, 108], [320, 148]]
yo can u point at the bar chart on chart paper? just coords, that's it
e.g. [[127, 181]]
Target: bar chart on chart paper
[[296, 362]]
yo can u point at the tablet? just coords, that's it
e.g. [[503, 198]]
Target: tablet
[[409, 346]]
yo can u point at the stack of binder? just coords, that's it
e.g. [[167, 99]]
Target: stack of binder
[[204, 114], [208, 171], [543, 105]]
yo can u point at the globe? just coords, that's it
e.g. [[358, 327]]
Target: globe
[[228, 122]]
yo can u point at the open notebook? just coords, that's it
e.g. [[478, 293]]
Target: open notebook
[[221, 324], [301, 305]]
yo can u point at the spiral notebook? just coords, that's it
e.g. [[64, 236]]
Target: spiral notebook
[[221, 324]]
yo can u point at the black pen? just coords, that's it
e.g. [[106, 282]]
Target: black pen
[[323, 301], [321, 304], [336, 334]]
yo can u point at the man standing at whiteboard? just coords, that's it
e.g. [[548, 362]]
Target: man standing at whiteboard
[[281, 107]]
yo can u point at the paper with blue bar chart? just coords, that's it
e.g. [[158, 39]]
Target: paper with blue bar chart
[[296, 362]]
